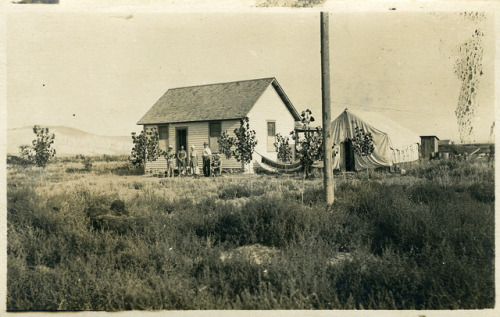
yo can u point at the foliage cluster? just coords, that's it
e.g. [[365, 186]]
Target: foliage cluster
[[146, 147], [42, 146], [283, 148], [362, 142], [310, 147], [226, 143], [244, 142], [40, 151]]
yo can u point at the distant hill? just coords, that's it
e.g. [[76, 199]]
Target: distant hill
[[71, 141]]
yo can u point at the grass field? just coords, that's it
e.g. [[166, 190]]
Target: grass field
[[109, 239]]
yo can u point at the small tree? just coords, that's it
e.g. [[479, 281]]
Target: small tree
[[310, 148], [362, 142], [145, 148], [226, 143], [283, 149], [42, 146], [245, 142]]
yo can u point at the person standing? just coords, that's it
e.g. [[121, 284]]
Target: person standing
[[193, 161], [170, 156], [207, 155], [181, 160]]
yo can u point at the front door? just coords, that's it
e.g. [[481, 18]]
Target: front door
[[181, 138]]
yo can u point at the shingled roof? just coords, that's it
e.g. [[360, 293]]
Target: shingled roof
[[223, 101]]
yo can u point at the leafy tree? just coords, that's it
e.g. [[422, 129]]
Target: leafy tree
[[42, 146], [309, 148], [245, 142], [226, 142], [362, 142], [283, 149], [145, 148]]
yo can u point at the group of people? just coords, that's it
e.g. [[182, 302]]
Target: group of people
[[188, 164]]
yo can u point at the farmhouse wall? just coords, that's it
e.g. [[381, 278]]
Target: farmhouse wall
[[197, 135], [269, 107]]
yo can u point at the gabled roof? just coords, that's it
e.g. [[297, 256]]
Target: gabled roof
[[223, 101], [399, 135]]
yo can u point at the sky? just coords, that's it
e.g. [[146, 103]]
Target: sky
[[100, 72]]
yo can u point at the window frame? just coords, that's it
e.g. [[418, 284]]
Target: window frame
[[212, 147], [160, 127], [271, 139]]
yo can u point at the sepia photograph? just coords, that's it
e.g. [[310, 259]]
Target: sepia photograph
[[253, 160]]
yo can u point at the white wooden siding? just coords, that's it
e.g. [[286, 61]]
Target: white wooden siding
[[270, 107], [197, 134]]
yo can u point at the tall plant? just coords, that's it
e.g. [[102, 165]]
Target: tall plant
[[283, 149], [362, 142], [309, 148], [245, 142], [146, 147], [42, 146], [226, 143]]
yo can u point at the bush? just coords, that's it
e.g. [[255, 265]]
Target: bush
[[87, 164], [18, 161], [42, 146]]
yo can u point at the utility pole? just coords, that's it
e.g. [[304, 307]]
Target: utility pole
[[326, 109]]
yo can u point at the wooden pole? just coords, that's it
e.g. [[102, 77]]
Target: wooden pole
[[326, 109]]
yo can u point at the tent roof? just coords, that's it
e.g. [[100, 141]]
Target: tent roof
[[222, 101], [399, 135]]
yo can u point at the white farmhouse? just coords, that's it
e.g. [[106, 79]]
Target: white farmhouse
[[194, 115]]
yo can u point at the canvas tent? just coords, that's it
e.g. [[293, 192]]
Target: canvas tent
[[392, 142]]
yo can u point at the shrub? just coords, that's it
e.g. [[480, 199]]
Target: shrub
[[283, 149], [87, 163], [146, 147], [245, 142], [18, 161], [42, 145], [118, 207], [309, 148]]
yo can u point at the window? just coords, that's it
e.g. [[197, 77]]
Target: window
[[163, 137], [215, 130], [163, 132], [271, 136]]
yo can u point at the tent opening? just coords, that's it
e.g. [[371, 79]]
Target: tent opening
[[348, 156]]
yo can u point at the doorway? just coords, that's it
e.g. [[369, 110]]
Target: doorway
[[181, 138], [348, 156]]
